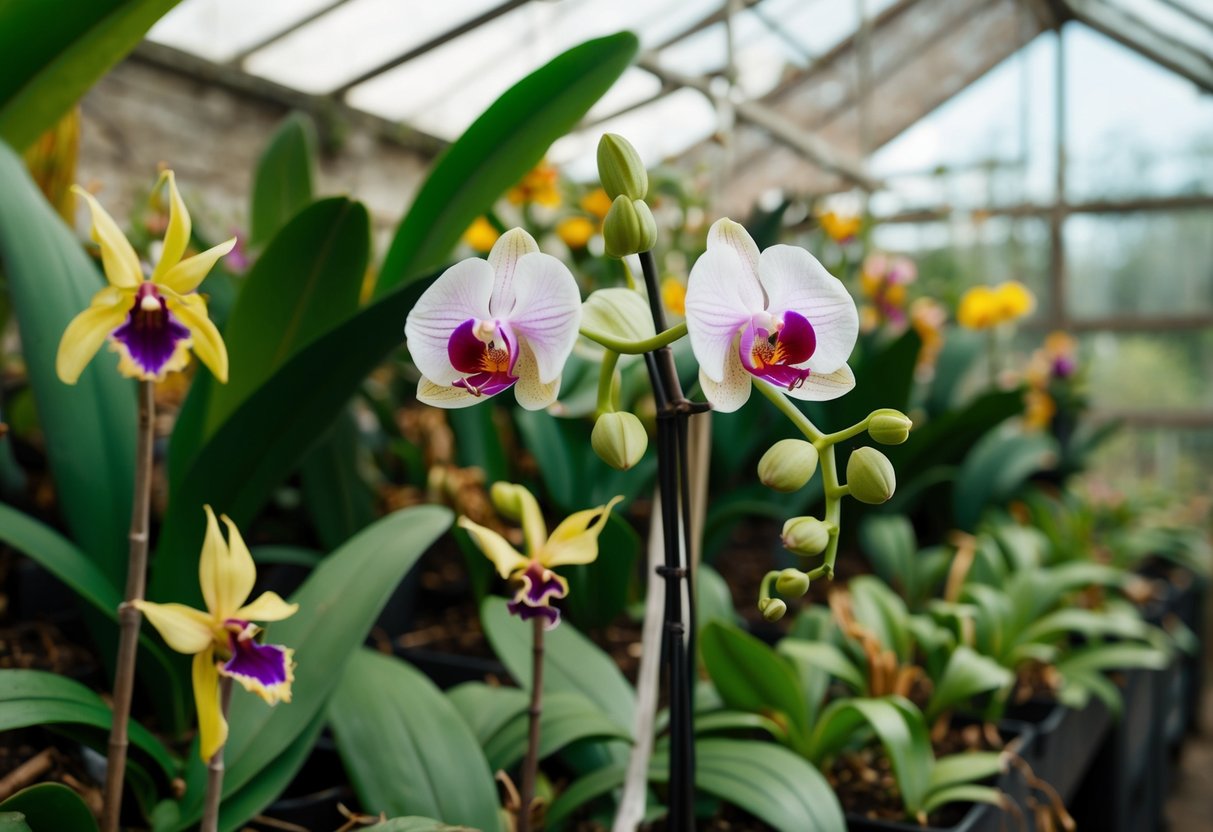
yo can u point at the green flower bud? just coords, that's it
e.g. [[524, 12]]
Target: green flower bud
[[870, 476], [507, 499], [629, 228], [889, 427], [792, 582], [620, 169], [806, 535], [619, 439], [788, 465], [772, 609]]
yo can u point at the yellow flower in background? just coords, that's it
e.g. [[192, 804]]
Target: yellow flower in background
[[1014, 300], [596, 202], [541, 185], [674, 295], [481, 235], [928, 316], [841, 228], [1039, 409], [222, 638], [152, 323], [51, 161], [575, 231]]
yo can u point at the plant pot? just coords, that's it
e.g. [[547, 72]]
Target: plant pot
[[979, 817], [1065, 742]]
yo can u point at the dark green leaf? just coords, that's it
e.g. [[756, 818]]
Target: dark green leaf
[[599, 591], [55, 50], [282, 185], [567, 718], [997, 466], [406, 748], [593, 785], [339, 501], [498, 149], [50, 807]]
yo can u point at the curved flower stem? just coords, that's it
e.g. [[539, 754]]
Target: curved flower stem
[[531, 763], [129, 617], [606, 382], [215, 768], [661, 339]]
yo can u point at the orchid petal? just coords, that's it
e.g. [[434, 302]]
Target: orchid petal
[[183, 628], [496, 548], [504, 257], [731, 392], [459, 294], [575, 540], [210, 563], [729, 234], [822, 387], [88, 331], [721, 298], [530, 392], [269, 606], [547, 311], [208, 343], [237, 572], [118, 259], [794, 280], [264, 669], [444, 396], [212, 727], [177, 237], [185, 276]]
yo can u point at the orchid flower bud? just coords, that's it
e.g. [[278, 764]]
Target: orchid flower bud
[[792, 583], [620, 169], [870, 476], [889, 427], [629, 227], [619, 439], [788, 465], [772, 609], [806, 535]]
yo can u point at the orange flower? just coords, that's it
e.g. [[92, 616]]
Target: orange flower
[[841, 228], [596, 202], [481, 235], [540, 185], [575, 231]]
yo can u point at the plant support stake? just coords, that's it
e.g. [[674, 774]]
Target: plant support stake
[[129, 618], [531, 763], [215, 767]]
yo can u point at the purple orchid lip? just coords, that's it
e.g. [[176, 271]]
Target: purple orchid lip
[[150, 335], [539, 586], [488, 363], [526, 612], [774, 358], [262, 668]]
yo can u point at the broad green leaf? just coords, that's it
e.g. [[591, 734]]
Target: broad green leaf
[[339, 501], [306, 282], [55, 50], [617, 314], [719, 722], [478, 440], [889, 544], [815, 658], [770, 782], [338, 604], [13, 822], [963, 794], [406, 747], [1118, 656], [50, 806], [599, 591], [567, 717], [967, 767], [571, 662], [498, 149], [65, 561], [282, 184], [33, 697], [281, 420], [881, 610], [995, 469], [581, 791], [960, 350], [415, 824], [965, 676], [750, 676], [50, 280]]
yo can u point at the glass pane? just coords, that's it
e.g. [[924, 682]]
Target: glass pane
[[1172, 22], [220, 29], [383, 29], [1149, 371], [1132, 127], [1139, 460], [1140, 264]]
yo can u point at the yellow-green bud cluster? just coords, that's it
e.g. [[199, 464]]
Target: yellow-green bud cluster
[[806, 535], [889, 427], [870, 476], [772, 609], [788, 465], [619, 439], [620, 169], [792, 582], [629, 227]]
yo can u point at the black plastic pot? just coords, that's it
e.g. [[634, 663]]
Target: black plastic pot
[[1065, 743], [980, 817]]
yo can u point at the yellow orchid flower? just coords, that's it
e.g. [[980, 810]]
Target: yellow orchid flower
[[152, 322], [576, 231], [221, 639], [481, 235], [983, 307], [574, 541], [841, 228]]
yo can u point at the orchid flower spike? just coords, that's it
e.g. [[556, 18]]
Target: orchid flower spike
[[574, 541], [222, 639], [487, 325], [778, 317], [154, 322]]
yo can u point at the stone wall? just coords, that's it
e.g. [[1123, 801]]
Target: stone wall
[[141, 114]]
